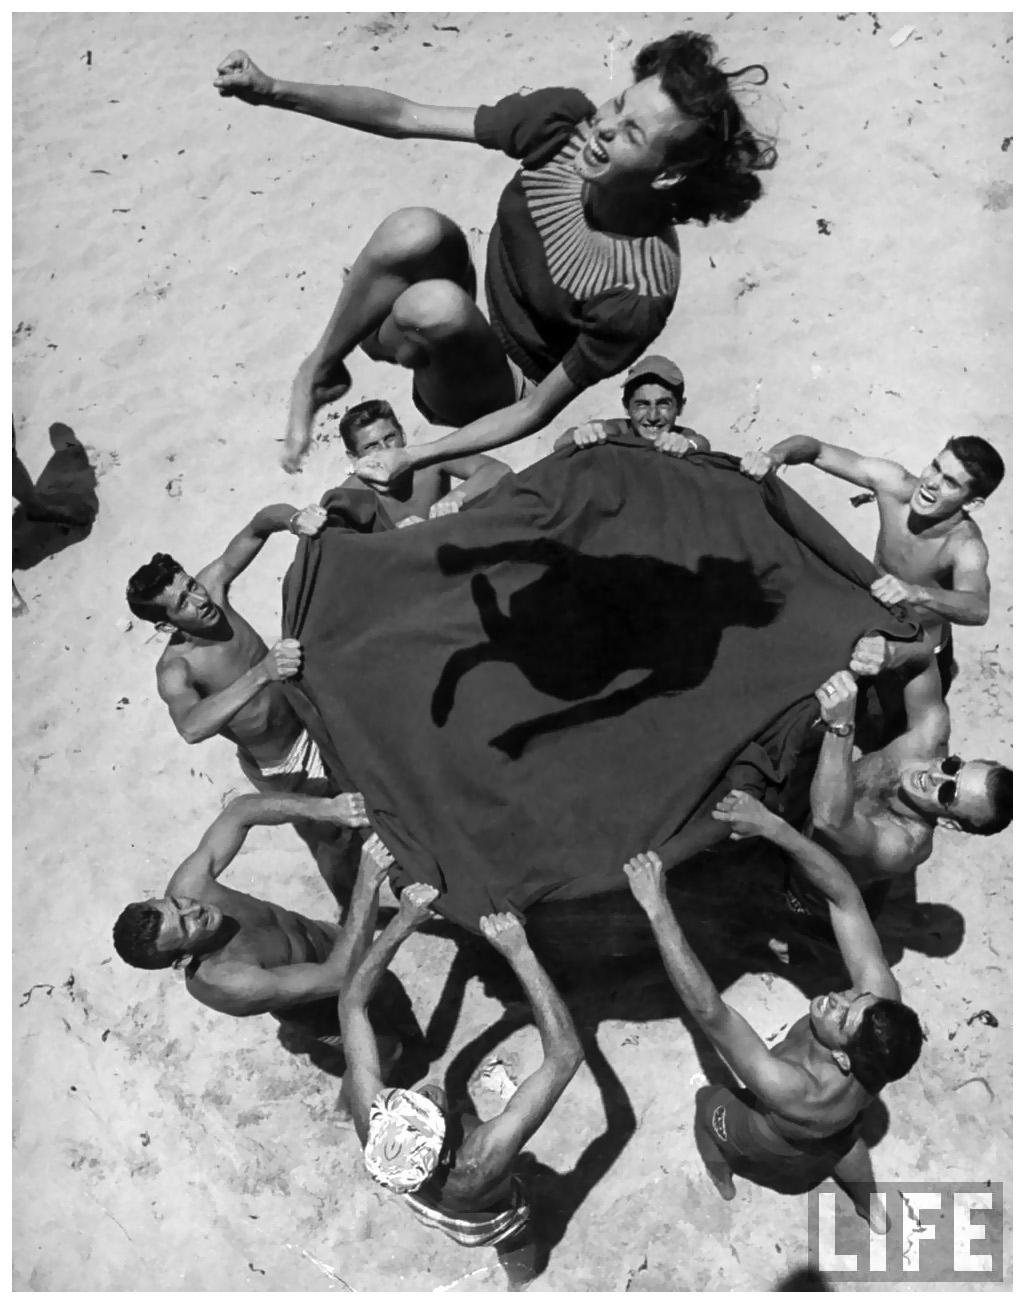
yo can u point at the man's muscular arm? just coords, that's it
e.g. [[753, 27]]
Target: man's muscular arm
[[967, 602], [877, 474], [775, 1082], [929, 721], [479, 473], [220, 573], [494, 1146], [197, 718], [358, 1041], [220, 845], [833, 785], [857, 940]]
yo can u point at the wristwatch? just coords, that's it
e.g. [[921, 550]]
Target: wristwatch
[[842, 731]]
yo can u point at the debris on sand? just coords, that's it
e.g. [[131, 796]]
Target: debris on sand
[[902, 35]]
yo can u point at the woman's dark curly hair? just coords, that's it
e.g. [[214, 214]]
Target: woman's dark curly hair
[[724, 153]]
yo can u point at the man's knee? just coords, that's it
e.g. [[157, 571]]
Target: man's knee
[[412, 235], [434, 309]]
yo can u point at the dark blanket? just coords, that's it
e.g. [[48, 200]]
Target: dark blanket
[[573, 668]]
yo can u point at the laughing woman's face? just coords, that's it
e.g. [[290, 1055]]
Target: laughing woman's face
[[632, 135]]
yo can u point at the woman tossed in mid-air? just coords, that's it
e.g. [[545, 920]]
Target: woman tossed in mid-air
[[583, 263]]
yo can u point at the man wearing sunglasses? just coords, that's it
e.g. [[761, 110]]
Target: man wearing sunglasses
[[878, 814]]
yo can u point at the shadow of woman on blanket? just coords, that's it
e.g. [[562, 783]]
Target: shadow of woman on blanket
[[585, 621]]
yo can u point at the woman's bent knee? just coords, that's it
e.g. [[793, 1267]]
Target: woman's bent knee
[[412, 235], [434, 309]]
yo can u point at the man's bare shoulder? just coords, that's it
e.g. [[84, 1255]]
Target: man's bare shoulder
[[897, 490], [223, 981], [967, 540], [174, 663]]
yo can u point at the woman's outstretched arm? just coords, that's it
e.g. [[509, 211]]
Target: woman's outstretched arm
[[359, 107]]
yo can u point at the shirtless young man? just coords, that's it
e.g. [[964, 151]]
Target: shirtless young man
[[929, 549], [454, 1169], [653, 398], [425, 492], [218, 677], [812, 1087], [245, 956], [878, 814]]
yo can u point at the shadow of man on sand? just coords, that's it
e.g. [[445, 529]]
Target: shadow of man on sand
[[586, 621], [60, 508]]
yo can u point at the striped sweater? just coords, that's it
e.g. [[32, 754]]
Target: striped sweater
[[558, 290]]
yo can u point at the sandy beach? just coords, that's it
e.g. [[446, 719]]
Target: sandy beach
[[175, 257]]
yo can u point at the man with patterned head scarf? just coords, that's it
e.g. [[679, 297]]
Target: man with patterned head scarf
[[453, 1169]]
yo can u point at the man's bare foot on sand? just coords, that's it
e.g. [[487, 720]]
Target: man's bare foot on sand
[[309, 392], [724, 1184], [875, 1214]]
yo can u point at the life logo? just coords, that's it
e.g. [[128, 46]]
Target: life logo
[[922, 1232]]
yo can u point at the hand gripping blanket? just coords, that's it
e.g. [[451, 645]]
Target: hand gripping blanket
[[573, 668]]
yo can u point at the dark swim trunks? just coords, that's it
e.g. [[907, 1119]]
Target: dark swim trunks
[[744, 1134]]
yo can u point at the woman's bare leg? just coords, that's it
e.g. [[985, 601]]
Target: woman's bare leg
[[460, 369], [412, 245]]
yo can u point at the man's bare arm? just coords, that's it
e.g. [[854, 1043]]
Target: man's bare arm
[[877, 474], [929, 721], [478, 472], [358, 107], [221, 843], [524, 417], [358, 1041], [219, 574], [856, 938], [497, 1142], [775, 1082], [968, 601], [197, 718]]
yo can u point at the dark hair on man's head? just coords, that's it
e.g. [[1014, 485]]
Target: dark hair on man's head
[[982, 461], [999, 794], [628, 390], [148, 583], [135, 937], [724, 153], [886, 1044], [361, 415]]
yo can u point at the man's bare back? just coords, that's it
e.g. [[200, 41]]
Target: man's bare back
[[831, 1100]]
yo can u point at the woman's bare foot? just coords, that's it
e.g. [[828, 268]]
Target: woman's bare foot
[[310, 391]]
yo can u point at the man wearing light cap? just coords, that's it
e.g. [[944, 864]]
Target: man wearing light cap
[[653, 398], [453, 1169]]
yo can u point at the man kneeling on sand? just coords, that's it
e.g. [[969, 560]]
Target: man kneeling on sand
[[653, 399], [811, 1089], [244, 956], [455, 1170], [372, 426]]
